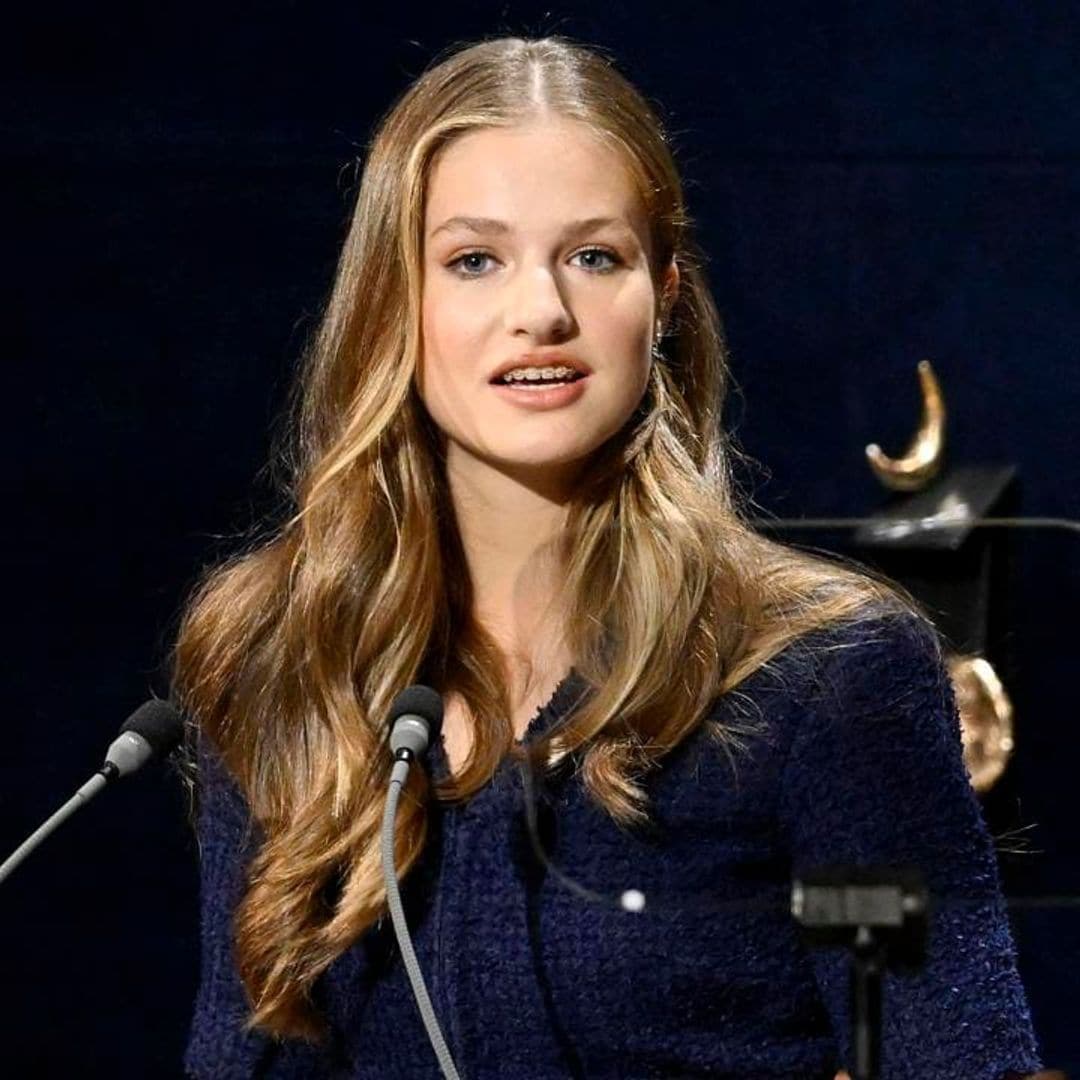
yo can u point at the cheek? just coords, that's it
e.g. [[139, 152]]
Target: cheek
[[448, 327], [436, 340], [627, 326], [630, 311], [431, 324], [449, 350], [631, 332]]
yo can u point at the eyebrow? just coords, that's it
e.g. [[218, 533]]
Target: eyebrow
[[493, 225]]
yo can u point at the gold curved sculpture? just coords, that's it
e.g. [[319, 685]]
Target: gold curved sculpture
[[923, 459], [986, 719]]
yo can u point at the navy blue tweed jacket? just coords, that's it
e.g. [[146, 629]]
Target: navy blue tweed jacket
[[857, 759]]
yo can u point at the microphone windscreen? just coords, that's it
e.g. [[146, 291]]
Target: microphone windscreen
[[418, 700], [159, 722]]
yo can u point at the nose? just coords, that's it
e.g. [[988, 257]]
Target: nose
[[537, 308]]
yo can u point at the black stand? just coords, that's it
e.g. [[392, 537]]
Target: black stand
[[879, 913], [959, 572], [867, 969]]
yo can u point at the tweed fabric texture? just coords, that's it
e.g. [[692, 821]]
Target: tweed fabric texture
[[855, 757]]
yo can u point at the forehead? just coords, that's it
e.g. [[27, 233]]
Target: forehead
[[531, 173]]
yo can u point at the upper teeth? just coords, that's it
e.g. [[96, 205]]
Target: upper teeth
[[540, 373]]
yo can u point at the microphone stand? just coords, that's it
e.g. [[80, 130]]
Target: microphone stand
[[879, 914], [868, 961]]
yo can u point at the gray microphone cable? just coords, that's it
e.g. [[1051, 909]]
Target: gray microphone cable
[[151, 731], [415, 718]]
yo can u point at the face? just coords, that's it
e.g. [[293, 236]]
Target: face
[[536, 254]]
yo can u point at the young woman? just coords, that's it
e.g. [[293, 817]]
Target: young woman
[[511, 485]]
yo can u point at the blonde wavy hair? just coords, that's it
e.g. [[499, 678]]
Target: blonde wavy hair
[[289, 655]]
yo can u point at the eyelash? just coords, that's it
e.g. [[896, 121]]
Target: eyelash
[[455, 264]]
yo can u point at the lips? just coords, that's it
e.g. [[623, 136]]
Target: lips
[[535, 398], [540, 359]]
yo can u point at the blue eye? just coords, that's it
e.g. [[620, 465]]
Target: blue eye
[[473, 263], [613, 259], [457, 264]]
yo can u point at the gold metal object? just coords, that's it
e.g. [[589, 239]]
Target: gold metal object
[[986, 719], [923, 459]]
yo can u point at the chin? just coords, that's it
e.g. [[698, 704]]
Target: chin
[[540, 461], [544, 460]]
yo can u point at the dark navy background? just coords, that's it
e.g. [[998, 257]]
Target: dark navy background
[[873, 183]]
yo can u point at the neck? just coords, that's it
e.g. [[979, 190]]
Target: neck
[[510, 523]]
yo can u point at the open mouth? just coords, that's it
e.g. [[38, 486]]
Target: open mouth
[[542, 394], [538, 383]]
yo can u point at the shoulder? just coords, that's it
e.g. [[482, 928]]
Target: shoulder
[[859, 662], [872, 660], [878, 679], [225, 829], [874, 761]]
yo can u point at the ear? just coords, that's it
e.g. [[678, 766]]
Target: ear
[[669, 290]]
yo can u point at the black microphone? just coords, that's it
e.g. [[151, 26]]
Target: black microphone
[[152, 731], [415, 721]]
